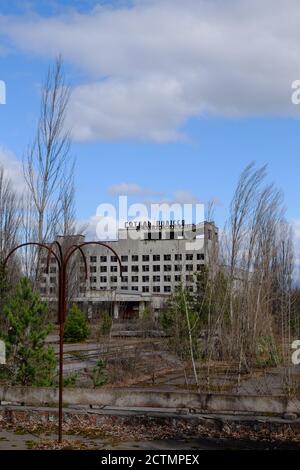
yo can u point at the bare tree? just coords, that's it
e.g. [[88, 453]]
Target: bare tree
[[240, 210], [28, 234], [9, 235], [47, 160], [9, 215], [67, 219]]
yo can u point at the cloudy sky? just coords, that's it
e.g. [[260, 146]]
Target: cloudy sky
[[170, 98]]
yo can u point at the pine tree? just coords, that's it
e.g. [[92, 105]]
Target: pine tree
[[76, 326], [30, 362]]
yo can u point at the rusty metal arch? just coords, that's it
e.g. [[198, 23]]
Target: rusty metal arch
[[62, 261]]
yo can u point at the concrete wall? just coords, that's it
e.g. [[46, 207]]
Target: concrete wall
[[119, 397]]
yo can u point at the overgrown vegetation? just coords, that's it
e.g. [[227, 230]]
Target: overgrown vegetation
[[29, 361], [76, 326], [244, 306], [105, 324], [178, 319], [99, 375]]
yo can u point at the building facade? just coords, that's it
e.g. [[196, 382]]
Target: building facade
[[155, 258]]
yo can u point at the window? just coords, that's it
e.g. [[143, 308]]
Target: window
[[145, 268], [134, 278], [93, 259], [103, 279], [145, 288], [156, 278], [200, 256], [189, 256], [167, 267], [156, 257], [199, 267], [124, 258], [167, 289], [93, 269], [178, 257], [156, 289], [177, 278], [145, 278], [93, 279], [146, 257], [189, 267], [114, 279], [167, 257], [124, 287], [156, 268], [124, 269], [135, 269], [134, 258], [124, 278], [52, 280], [53, 270], [103, 259], [167, 278], [103, 269], [134, 288], [189, 278], [114, 269], [113, 259], [190, 288], [177, 267]]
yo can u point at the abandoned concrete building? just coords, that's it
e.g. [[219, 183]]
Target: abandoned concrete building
[[155, 260]]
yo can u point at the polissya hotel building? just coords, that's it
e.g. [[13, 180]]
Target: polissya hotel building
[[155, 258]]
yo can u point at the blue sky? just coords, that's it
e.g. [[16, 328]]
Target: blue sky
[[174, 114]]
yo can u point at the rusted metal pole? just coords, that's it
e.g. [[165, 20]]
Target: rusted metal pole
[[62, 261], [61, 383], [61, 355]]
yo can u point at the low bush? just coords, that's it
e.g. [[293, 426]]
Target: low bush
[[76, 326]]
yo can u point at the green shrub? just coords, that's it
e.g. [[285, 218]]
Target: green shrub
[[176, 320], [70, 380], [76, 326], [99, 374], [106, 324], [30, 362]]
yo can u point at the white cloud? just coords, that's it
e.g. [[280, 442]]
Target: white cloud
[[125, 188], [132, 189], [12, 169], [99, 228], [185, 197], [154, 65], [178, 197]]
